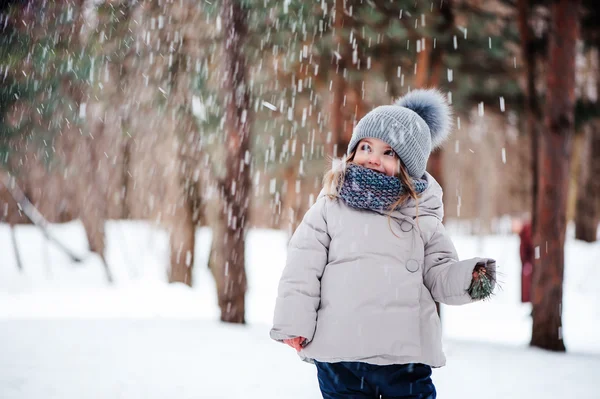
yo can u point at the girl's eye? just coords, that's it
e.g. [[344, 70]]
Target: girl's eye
[[390, 153], [365, 147]]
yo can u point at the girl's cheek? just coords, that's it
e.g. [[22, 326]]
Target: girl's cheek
[[392, 168], [391, 171]]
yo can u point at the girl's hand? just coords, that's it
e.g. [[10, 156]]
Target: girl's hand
[[482, 283], [295, 343], [479, 271]]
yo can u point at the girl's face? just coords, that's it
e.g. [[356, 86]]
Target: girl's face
[[377, 155]]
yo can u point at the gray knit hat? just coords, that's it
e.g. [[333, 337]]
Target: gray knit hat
[[413, 126]]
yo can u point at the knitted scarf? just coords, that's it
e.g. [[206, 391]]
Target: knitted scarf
[[364, 188]]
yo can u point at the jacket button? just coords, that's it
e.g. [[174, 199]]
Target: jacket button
[[406, 226], [412, 265]]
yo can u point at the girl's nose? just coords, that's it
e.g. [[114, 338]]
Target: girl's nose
[[374, 160]]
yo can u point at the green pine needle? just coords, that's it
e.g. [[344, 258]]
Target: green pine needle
[[481, 287]]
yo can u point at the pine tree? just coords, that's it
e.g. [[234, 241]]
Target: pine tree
[[46, 69], [555, 147], [587, 116]]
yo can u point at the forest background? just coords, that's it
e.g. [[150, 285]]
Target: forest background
[[226, 113]]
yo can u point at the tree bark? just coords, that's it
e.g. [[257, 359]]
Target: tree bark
[[229, 267], [423, 65], [588, 186], [554, 159], [182, 240], [290, 206], [432, 58], [354, 101], [338, 84], [13, 237], [435, 164], [533, 110], [126, 178], [94, 207], [390, 73]]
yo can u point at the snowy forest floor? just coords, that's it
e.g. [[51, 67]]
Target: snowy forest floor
[[72, 359], [65, 334]]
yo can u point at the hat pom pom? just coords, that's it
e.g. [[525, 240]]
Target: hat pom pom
[[432, 106]]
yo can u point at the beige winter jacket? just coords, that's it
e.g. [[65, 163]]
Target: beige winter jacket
[[361, 286]]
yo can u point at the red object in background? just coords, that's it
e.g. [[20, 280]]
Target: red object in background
[[526, 252]]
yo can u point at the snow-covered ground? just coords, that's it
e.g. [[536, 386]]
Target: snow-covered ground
[[65, 334], [170, 358]]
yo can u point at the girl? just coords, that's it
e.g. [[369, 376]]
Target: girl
[[371, 256]]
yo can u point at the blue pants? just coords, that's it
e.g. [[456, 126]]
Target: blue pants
[[355, 380]]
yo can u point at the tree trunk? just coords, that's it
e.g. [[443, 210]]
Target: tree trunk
[[554, 158], [290, 207], [125, 178], [433, 60], [390, 73], [533, 110], [429, 74], [93, 203], [93, 206], [435, 164], [588, 187], [13, 237], [423, 65], [229, 268], [354, 101], [182, 240], [338, 84]]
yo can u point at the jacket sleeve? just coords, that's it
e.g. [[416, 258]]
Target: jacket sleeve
[[299, 292], [445, 276]]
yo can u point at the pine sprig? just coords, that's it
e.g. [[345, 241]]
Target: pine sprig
[[481, 286]]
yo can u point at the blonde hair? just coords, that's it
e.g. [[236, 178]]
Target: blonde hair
[[334, 179]]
